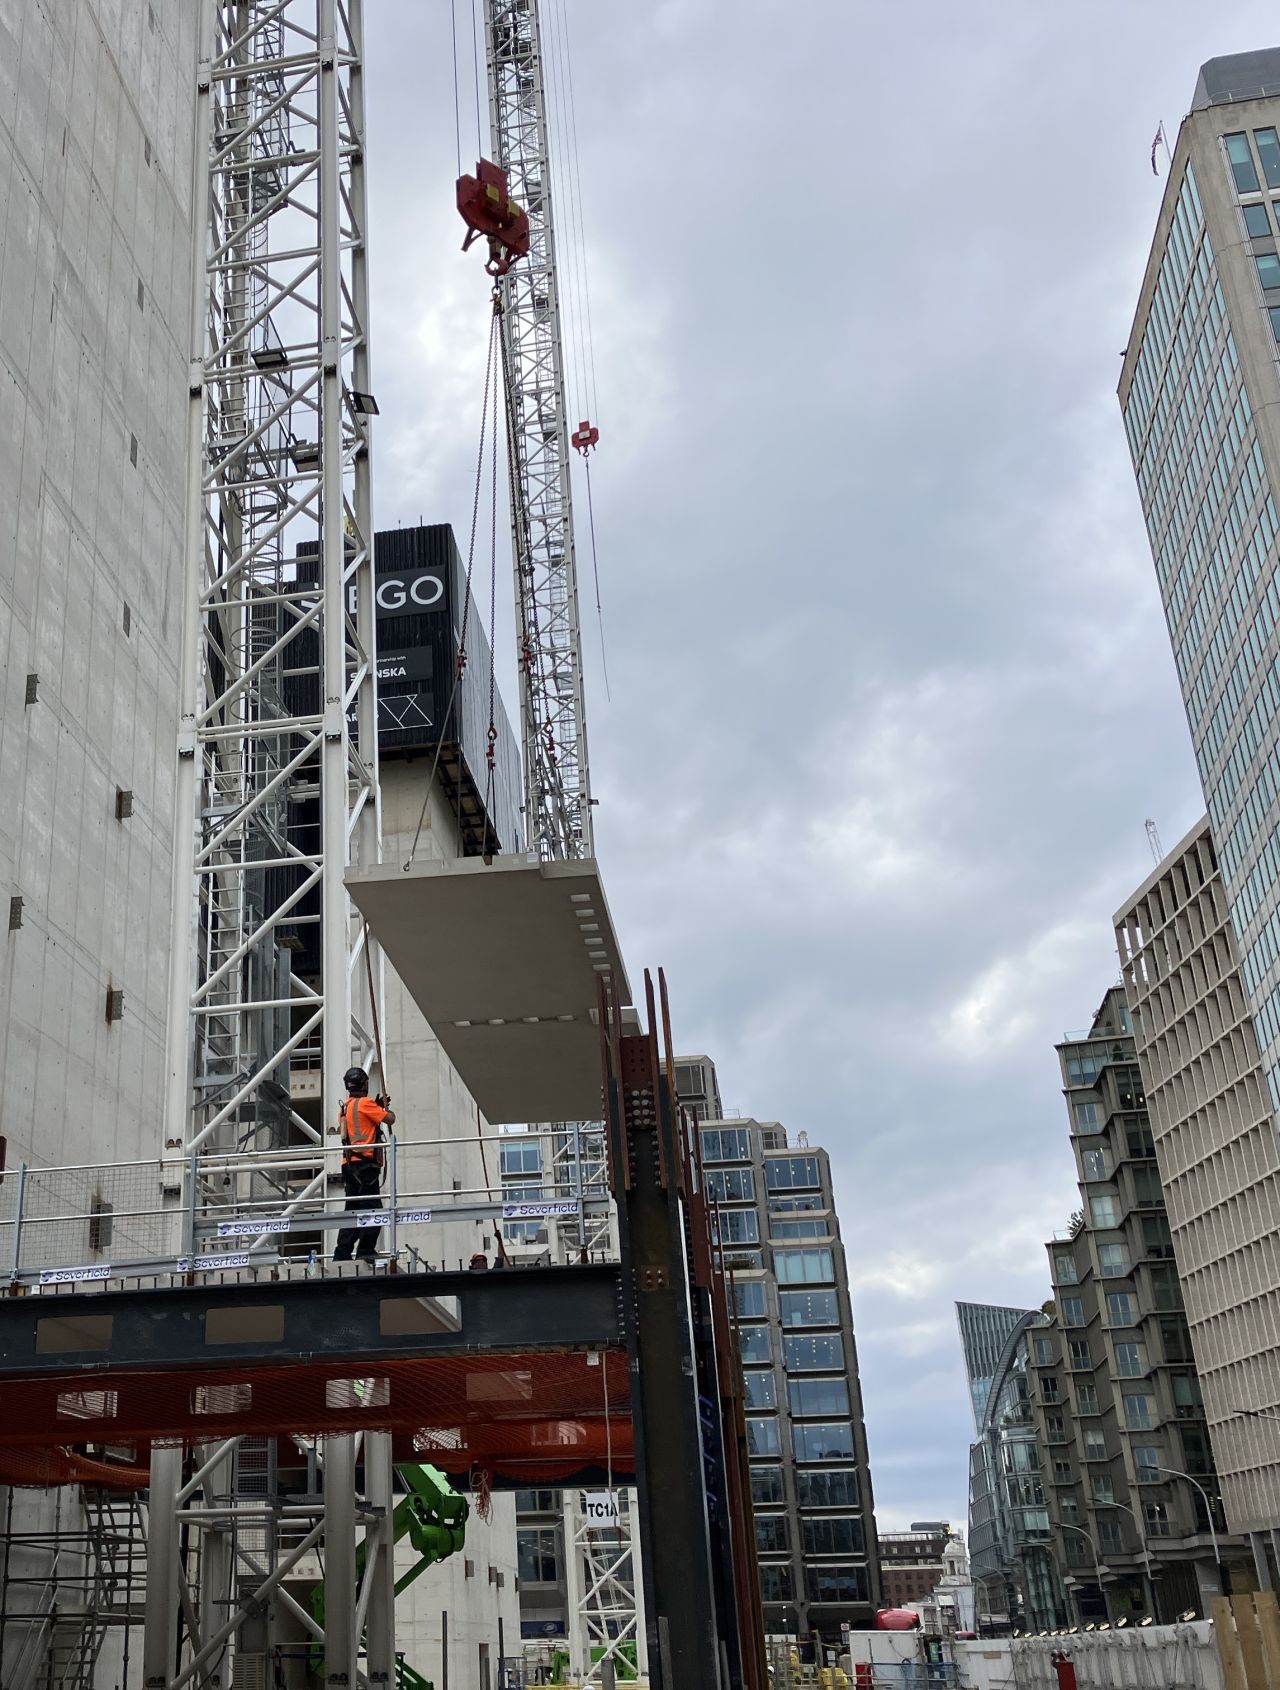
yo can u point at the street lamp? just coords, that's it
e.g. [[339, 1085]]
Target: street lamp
[[1145, 1556], [1175, 1473], [1097, 1566]]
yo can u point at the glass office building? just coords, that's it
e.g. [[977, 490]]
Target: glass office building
[[1199, 389], [810, 1477]]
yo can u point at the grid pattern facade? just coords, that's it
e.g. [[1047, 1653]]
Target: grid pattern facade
[[1219, 1158], [1118, 1399], [1198, 392], [810, 1478]]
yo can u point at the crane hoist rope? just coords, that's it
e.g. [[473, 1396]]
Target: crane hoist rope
[[489, 439]]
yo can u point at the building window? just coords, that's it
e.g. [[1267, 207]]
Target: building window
[[797, 1205], [538, 1555], [1093, 1164], [1086, 1399], [738, 1226], [1073, 1311], [1062, 1474], [1146, 1463], [759, 1390], [762, 1436], [1147, 1188], [1175, 1336], [836, 1584], [1186, 1395], [537, 1502], [776, 1584], [1138, 1139], [1139, 1411], [754, 1343], [1269, 155], [1086, 1115], [521, 1159], [1049, 1391], [808, 1308], [1113, 1260], [818, 1396], [766, 1485], [1043, 1349], [1104, 1211], [748, 1299], [1095, 1446], [1268, 269], [1064, 1268], [1100, 1484], [771, 1534], [836, 1488], [1109, 1533], [730, 1185], [804, 1267], [1122, 1308], [1256, 220], [815, 1228], [818, 1354], [821, 1440], [1131, 1361], [726, 1144], [790, 1173], [825, 1534], [1155, 1513], [1081, 1359]]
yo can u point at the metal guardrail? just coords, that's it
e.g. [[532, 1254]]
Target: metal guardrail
[[236, 1210]]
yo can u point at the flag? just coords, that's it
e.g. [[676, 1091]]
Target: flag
[[1159, 136]]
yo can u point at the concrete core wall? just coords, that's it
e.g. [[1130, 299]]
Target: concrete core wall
[[95, 252]]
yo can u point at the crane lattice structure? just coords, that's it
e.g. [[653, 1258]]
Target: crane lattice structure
[[271, 987], [602, 1576], [552, 706], [278, 711]]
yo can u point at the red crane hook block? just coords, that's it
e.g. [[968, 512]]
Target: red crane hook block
[[585, 436], [487, 209]]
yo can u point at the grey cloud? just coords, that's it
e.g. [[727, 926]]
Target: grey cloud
[[891, 693]]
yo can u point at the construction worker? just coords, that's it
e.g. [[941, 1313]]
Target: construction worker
[[363, 1118]]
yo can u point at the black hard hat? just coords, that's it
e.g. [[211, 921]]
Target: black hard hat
[[355, 1079]]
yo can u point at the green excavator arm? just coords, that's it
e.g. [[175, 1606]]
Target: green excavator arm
[[434, 1518]]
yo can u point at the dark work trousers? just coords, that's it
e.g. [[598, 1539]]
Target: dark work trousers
[[362, 1182]]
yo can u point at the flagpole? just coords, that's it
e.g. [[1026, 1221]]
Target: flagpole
[[1168, 156]]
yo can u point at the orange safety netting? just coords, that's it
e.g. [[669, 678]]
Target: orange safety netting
[[67, 1467], [525, 1416]]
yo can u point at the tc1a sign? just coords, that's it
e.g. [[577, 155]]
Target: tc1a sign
[[601, 1507]]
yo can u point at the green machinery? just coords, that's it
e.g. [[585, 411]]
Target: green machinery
[[434, 1517]]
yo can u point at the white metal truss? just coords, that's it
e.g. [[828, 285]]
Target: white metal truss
[[278, 716], [277, 780], [552, 710]]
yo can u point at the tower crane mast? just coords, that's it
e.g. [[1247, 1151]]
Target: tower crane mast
[[552, 706]]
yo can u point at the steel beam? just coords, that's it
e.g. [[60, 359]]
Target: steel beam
[[160, 1628], [378, 1587], [340, 1562], [679, 1589], [520, 1311]]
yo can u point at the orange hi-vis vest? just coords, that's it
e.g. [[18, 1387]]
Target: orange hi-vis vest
[[362, 1119]]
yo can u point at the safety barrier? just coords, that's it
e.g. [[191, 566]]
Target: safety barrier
[[229, 1211]]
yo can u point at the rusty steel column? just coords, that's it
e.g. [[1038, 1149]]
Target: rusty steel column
[[683, 1619]]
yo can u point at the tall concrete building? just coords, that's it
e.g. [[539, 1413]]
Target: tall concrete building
[[810, 1473], [1128, 1468], [1219, 1160], [1199, 388]]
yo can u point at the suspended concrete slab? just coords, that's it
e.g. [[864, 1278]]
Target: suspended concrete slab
[[503, 960]]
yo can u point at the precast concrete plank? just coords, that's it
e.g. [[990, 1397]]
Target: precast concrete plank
[[503, 959]]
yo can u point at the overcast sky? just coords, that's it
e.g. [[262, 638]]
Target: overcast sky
[[891, 691]]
